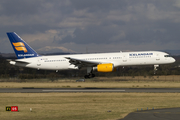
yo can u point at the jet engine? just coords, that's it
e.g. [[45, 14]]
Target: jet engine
[[109, 67]]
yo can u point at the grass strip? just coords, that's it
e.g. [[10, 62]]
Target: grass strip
[[80, 106]]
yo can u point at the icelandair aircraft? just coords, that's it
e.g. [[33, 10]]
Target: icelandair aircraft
[[102, 62]]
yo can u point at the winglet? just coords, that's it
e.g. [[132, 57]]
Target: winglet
[[21, 48]]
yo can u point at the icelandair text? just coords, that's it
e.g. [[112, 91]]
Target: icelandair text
[[24, 55], [140, 54]]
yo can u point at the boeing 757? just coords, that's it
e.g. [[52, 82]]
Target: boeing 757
[[102, 62]]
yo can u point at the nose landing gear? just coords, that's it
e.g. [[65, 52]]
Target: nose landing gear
[[155, 68]]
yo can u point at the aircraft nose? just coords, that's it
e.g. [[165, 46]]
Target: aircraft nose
[[173, 60]]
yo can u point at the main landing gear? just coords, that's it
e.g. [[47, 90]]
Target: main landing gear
[[89, 73]]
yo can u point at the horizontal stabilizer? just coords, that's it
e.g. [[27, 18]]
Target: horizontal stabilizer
[[17, 62]]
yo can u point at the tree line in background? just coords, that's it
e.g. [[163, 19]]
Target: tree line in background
[[10, 71]]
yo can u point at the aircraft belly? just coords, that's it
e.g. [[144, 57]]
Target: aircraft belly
[[141, 61], [31, 65], [54, 66]]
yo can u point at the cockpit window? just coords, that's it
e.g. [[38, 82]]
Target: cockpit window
[[167, 56]]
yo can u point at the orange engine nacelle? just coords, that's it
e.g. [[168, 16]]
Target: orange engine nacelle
[[109, 67]]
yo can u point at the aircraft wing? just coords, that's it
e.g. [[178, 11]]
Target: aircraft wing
[[82, 63]]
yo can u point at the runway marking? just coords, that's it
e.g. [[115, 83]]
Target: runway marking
[[83, 90]]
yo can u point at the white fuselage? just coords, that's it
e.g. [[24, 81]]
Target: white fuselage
[[59, 62]]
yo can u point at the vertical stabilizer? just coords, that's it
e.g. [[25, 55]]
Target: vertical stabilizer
[[21, 48]]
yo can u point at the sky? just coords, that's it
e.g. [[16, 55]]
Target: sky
[[81, 26]]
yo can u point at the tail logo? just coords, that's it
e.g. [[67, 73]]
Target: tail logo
[[19, 46]]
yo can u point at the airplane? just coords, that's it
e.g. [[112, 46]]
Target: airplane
[[102, 62]]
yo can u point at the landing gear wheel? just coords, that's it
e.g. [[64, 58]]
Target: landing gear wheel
[[89, 76], [93, 75], [86, 76]]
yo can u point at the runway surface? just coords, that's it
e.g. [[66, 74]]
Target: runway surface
[[91, 90], [159, 114]]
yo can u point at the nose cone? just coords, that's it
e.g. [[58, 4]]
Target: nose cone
[[173, 60]]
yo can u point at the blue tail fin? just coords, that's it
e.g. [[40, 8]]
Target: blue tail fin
[[21, 48]]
